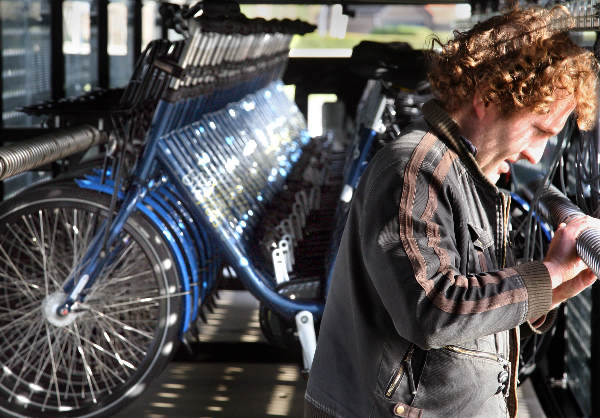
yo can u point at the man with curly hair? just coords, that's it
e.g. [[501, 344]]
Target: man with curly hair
[[423, 314]]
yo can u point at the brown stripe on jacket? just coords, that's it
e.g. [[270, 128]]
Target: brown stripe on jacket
[[465, 307], [407, 200], [433, 229], [409, 190], [482, 263]]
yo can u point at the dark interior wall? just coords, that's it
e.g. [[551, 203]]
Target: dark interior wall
[[325, 75], [347, 77]]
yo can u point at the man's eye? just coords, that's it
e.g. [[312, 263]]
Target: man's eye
[[541, 131]]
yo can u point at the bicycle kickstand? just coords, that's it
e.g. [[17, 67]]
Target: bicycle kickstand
[[308, 339]]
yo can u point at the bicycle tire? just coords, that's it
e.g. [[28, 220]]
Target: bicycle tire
[[123, 335]]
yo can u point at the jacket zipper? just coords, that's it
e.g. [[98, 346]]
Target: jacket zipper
[[505, 216], [404, 365], [479, 354]]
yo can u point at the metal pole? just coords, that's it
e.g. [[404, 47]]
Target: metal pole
[[57, 59], [137, 30], [103, 58]]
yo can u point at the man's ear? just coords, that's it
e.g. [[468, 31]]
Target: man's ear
[[479, 106]]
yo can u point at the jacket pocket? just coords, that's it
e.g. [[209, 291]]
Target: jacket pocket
[[481, 240], [405, 368], [398, 378], [462, 382]]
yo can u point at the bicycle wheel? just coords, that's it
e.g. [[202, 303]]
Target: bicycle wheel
[[101, 356]]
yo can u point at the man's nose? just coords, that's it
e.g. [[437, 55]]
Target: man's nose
[[534, 152]]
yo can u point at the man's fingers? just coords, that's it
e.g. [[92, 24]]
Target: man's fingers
[[562, 260], [572, 287], [578, 268], [580, 224]]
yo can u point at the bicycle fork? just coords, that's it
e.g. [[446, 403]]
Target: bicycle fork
[[98, 256]]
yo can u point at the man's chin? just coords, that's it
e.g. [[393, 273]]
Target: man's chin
[[493, 178], [494, 175]]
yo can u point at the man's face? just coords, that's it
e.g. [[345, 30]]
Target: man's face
[[520, 136]]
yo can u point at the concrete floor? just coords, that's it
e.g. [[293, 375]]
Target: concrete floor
[[235, 373]]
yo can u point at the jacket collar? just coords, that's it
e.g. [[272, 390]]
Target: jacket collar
[[449, 132]]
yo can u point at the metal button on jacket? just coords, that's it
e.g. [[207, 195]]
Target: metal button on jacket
[[398, 410]]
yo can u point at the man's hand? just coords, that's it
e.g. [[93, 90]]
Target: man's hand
[[568, 272]]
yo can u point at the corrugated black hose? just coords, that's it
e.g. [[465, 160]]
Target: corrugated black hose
[[561, 210]]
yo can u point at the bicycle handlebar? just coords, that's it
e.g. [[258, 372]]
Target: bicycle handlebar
[[562, 210]]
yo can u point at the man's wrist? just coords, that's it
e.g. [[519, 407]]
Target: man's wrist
[[555, 272], [537, 280]]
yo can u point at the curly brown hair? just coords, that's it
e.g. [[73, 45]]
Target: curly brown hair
[[522, 59]]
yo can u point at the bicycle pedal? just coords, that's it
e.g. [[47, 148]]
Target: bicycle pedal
[[187, 347], [209, 305], [202, 316]]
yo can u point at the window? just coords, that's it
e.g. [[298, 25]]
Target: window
[[150, 22], [80, 40], [337, 33], [25, 57], [120, 41]]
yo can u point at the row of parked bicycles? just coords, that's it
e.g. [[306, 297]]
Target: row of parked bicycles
[[205, 163]]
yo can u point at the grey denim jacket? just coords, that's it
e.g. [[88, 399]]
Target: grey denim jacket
[[422, 315]]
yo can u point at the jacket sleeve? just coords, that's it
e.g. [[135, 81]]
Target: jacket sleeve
[[410, 253]]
